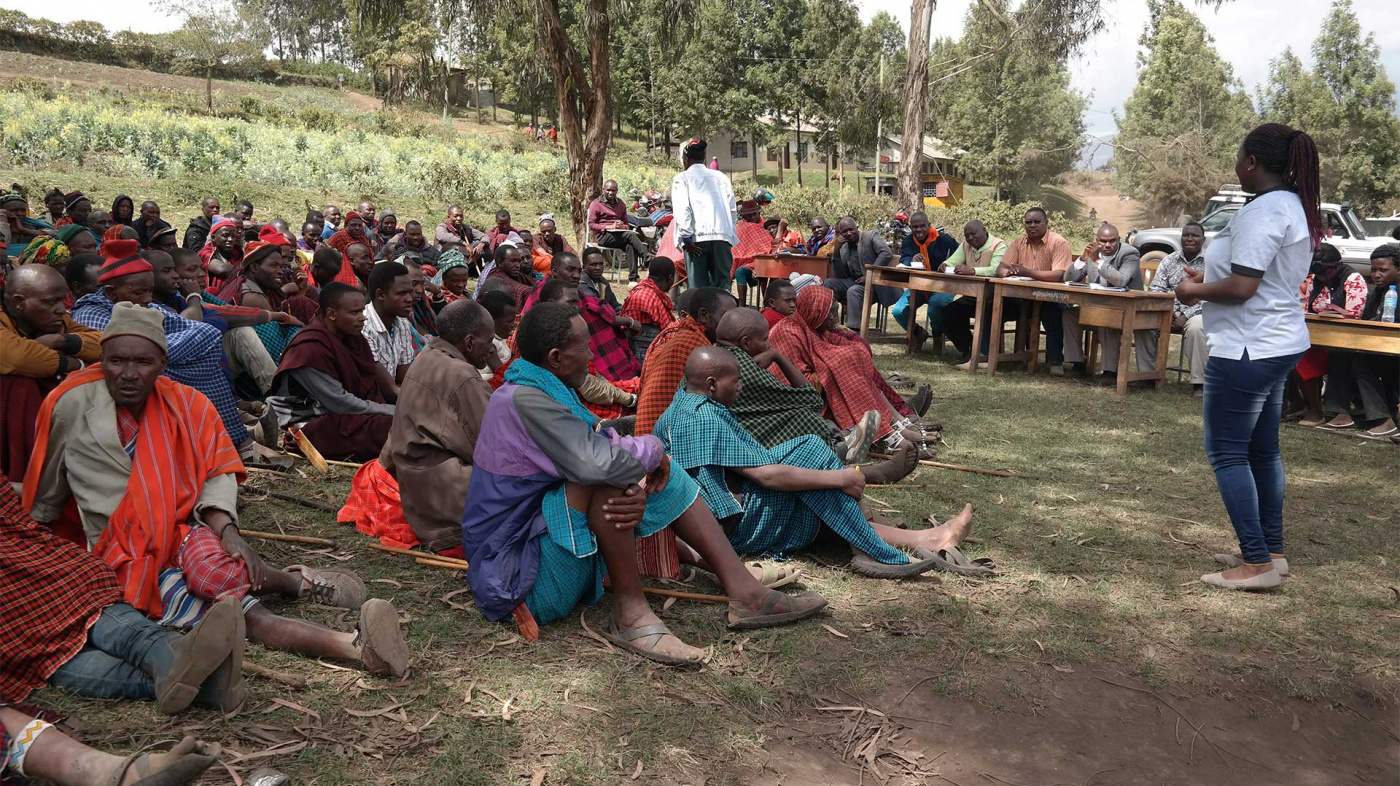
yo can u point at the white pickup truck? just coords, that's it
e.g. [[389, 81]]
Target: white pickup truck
[[1344, 227]]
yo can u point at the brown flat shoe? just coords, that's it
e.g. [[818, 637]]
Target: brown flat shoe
[[198, 654], [383, 649]]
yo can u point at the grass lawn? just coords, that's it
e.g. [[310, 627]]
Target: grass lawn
[[1113, 515]]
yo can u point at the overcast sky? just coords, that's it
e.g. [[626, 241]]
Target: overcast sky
[[1248, 33]]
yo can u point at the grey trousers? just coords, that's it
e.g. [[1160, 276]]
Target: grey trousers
[[1110, 340], [1193, 339]]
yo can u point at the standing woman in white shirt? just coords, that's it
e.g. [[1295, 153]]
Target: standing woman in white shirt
[[702, 201], [1256, 332]]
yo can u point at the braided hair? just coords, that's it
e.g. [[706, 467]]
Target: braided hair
[[1292, 155]]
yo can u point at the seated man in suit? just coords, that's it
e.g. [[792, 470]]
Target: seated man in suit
[[853, 250], [1110, 262]]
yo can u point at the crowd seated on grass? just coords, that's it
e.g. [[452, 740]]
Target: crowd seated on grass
[[504, 403]]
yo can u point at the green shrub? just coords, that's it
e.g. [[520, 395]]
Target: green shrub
[[36, 89], [314, 118]]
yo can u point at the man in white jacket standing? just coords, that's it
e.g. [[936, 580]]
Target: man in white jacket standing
[[702, 200]]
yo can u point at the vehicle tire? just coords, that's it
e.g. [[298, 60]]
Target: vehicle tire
[[1150, 262]]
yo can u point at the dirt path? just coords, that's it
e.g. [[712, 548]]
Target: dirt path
[[1083, 730], [1095, 190]]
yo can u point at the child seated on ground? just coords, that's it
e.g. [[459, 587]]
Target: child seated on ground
[[774, 501], [554, 506]]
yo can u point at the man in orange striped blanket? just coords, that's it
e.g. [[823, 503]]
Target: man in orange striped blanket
[[155, 479]]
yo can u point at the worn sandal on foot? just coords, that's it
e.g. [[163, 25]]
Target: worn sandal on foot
[[186, 762], [773, 575], [628, 640], [800, 607], [952, 560], [869, 567], [383, 649]]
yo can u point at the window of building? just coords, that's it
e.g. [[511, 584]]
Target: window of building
[[802, 151], [739, 149], [772, 153]]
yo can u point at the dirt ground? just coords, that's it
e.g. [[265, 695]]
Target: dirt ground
[[1091, 725], [1096, 192]]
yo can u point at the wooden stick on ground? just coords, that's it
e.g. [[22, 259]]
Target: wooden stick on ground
[[249, 533], [428, 555], [309, 450], [1001, 473], [432, 563], [686, 595], [349, 464], [306, 503], [276, 676]]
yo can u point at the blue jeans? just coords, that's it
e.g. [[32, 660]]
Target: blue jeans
[[1243, 406], [935, 301], [124, 653]]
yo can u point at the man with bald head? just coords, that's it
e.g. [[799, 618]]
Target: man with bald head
[[978, 255], [777, 403], [852, 251], [436, 422], [1110, 262], [39, 345], [611, 227], [787, 493]]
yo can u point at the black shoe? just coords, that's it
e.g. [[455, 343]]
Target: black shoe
[[1077, 368], [1110, 376]]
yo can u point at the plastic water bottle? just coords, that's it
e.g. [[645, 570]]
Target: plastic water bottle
[[1388, 305]]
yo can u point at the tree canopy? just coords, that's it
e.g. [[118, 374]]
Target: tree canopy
[[1347, 103], [1183, 122]]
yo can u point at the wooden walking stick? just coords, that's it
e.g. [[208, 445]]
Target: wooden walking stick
[[309, 450]]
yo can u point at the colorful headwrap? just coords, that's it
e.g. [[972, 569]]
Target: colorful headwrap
[[45, 250], [6, 197], [114, 232], [271, 235], [121, 258]]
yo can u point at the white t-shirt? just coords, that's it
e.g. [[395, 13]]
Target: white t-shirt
[[1269, 238]]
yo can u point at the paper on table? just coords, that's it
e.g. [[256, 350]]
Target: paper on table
[[1106, 288]]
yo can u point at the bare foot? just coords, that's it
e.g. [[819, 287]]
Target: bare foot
[[950, 533], [904, 461]]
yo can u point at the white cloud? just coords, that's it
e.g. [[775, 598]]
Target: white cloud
[[1248, 34]]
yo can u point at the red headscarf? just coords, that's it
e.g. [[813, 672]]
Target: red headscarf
[[845, 372]]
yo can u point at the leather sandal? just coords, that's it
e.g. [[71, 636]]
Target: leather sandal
[[629, 640], [800, 607], [187, 761]]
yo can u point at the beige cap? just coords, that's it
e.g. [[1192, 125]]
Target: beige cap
[[129, 319]]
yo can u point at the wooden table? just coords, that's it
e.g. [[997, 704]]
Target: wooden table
[[1124, 311], [919, 280], [767, 267], [1355, 334]]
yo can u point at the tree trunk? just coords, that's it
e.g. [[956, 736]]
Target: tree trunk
[[827, 160], [753, 158], [799, 146], [909, 189], [585, 111], [209, 87], [666, 137]]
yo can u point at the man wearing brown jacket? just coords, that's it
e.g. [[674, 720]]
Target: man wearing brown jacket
[[436, 422], [39, 344]]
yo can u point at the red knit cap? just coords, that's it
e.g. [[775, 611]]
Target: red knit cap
[[271, 235], [121, 258]]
